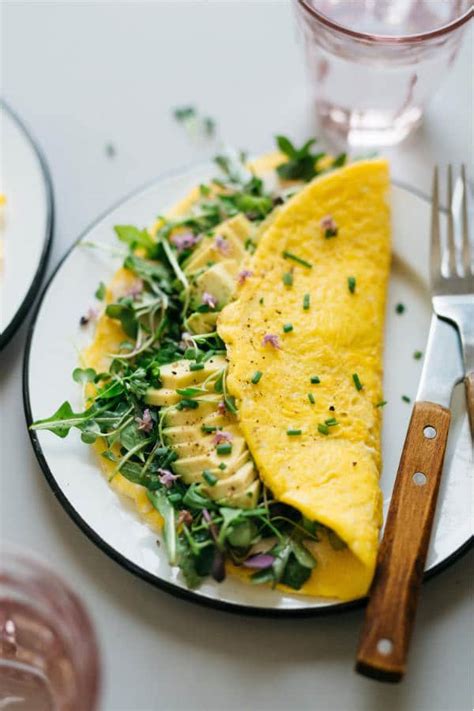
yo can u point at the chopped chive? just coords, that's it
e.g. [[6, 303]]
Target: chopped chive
[[311, 398], [190, 354], [330, 232], [400, 308], [323, 429], [295, 258], [209, 477], [222, 466], [288, 279], [190, 404], [382, 403], [357, 382], [261, 301], [189, 392], [225, 448], [175, 498], [256, 377], [306, 302], [287, 327], [331, 422], [351, 283], [405, 398], [196, 366], [315, 379], [417, 355], [293, 433], [208, 428]]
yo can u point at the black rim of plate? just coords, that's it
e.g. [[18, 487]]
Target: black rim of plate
[[28, 300], [108, 549]]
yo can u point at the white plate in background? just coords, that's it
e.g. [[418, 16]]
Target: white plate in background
[[26, 224]]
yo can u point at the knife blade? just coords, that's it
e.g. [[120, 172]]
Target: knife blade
[[442, 364]]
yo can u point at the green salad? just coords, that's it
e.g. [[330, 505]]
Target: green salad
[[163, 408]]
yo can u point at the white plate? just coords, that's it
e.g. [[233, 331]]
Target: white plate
[[26, 227], [72, 471]]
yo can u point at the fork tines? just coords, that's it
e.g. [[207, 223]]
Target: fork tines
[[452, 267]]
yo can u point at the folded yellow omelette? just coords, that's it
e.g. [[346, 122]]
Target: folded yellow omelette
[[310, 319]]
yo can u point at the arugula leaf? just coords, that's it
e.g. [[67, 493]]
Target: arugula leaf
[[126, 315], [134, 237], [295, 574], [131, 436], [150, 272], [194, 499], [163, 506], [90, 431], [61, 422], [187, 562], [301, 164]]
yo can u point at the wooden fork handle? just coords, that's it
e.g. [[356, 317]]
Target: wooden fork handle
[[469, 384], [391, 609]]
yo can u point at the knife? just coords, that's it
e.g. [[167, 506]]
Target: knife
[[390, 614]]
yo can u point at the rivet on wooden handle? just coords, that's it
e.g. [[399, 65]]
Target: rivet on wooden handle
[[469, 384], [391, 609]]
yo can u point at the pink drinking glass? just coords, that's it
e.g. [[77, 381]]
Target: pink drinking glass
[[48, 653], [374, 64]]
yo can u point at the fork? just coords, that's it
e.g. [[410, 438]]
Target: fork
[[390, 615], [452, 273]]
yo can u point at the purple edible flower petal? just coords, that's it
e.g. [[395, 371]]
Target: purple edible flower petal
[[221, 244], [135, 289], [243, 276], [185, 516], [212, 526], [145, 422], [328, 223], [184, 240], [271, 339], [209, 300], [167, 478], [259, 561], [221, 408], [220, 437]]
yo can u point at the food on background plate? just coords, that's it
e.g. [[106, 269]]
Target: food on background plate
[[234, 380]]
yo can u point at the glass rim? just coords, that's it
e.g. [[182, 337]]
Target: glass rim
[[387, 39]]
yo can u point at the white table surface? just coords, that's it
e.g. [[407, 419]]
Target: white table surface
[[85, 74]]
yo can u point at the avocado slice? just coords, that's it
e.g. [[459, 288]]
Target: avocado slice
[[191, 468], [234, 231], [202, 322], [180, 375], [175, 418], [208, 251], [161, 397], [247, 499], [205, 445], [236, 483], [219, 280], [186, 433]]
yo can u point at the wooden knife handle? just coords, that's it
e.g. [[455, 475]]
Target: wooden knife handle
[[469, 383], [391, 609]]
